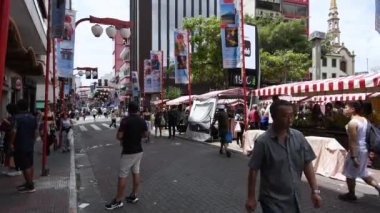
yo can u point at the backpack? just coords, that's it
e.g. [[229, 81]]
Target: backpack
[[373, 138]]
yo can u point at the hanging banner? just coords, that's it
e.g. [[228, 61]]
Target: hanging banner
[[229, 34], [135, 84], [155, 75], [65, 47], [251, 51], [58, 8], [180, 60], [377, 16], [147, 72]]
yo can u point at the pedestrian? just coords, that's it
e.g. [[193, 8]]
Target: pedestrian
[[159, 122], [147, 117], [281, 154], [66, 131], [254, 118], [7, 125], [25, 132], [222, 117], [172, 121], [268, 112], [356, 162], [132, 129], [94, 112], [113, 119]]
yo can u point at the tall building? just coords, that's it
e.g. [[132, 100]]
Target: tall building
[[155, 30]]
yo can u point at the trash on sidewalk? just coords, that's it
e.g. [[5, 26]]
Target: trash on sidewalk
[[83, 205]]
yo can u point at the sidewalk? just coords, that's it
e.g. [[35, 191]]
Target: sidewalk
[[54, 193]]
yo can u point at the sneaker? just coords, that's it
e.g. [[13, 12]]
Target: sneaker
[[114, 205], [132, 199], [27, 189], [347, 197]]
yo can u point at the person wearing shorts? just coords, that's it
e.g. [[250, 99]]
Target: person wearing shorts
[[132, 129]]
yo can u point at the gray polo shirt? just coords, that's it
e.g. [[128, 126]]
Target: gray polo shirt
[[281, 167]]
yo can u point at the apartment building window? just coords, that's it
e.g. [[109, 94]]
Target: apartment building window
[[324, 62], [324, 75], [343, 66], [333, 75], [333, 62]]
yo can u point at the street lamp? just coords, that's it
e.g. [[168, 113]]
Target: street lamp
[[115, 24]]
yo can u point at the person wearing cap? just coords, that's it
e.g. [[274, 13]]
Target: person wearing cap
[[222, 117], [132, 129]]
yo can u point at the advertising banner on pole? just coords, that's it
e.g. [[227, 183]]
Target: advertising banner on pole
[[155, 74], [229, 34], [58, 8], [135, 84], [181, 57], [147, 72], [65, 47], [377, 16], [250, 51]]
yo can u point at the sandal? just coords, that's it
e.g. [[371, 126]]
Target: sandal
[[347, 197]]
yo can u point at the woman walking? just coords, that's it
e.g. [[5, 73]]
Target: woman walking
[[66, 131], [357, 159]]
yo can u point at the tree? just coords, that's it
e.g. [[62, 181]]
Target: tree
[[172, 92], [285, 52], [206, 59]]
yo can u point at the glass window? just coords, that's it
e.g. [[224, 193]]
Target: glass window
[[333, 63], [171, 28], [294, 9], [164, 19], [333, 75], [180, 13], [343, 66], [196, 8], [268, 5], [188, 8], [324, 62], [211, 8], [204, 7], [324, 75]]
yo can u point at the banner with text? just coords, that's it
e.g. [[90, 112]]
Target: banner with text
[[181, 56], [229, 34], [65, 47], [57, 18], [154, 76]]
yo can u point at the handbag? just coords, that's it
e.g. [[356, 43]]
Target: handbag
[[237, 127], [162, 121], [229, 137]]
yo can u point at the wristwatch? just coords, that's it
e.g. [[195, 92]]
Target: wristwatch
[[316, 191]]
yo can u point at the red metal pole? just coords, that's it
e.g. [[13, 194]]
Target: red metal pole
[[162, 79], [189, 68], [44, 171], [4, 23], [243, 73], [54, 81]]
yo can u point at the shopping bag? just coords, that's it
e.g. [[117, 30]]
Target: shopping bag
[[229, 137], [237, 127]]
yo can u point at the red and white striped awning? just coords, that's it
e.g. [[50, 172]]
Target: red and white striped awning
[[287, 98], [228, 92], [341, 97], [359, 83], [180, 100]]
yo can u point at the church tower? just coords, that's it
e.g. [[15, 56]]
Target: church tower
[[333, 31]]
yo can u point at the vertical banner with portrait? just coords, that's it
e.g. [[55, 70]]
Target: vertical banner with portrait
[[135, 84], [181, 57], [148, 87], [156, 71], [65, 47], [229, 34]]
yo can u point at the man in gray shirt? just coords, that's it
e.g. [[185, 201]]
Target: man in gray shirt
[[281, 154]]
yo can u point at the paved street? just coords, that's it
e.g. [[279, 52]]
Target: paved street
[[183, 176]]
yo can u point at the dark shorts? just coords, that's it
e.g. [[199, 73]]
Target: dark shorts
[[23, 160], [222, 135]]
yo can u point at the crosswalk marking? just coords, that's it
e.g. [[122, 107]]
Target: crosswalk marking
[[106, 125], [83, 128], [95, 127]]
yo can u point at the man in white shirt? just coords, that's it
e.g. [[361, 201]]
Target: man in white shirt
[[267, 111]]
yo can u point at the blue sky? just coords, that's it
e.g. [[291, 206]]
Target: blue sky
[[357, 24]]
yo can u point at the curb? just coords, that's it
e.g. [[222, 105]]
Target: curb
[[72, 181]]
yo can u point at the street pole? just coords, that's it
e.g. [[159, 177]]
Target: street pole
[[4, 23], [162, 79], [243, 73], [189, 68], [54, 81], [45, 171]]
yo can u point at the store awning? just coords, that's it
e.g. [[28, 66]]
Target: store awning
[[231, 93], [350, 84], [180, 100], [341, 97]]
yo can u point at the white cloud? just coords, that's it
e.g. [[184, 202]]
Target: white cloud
[[357, 25], [91, 51]]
